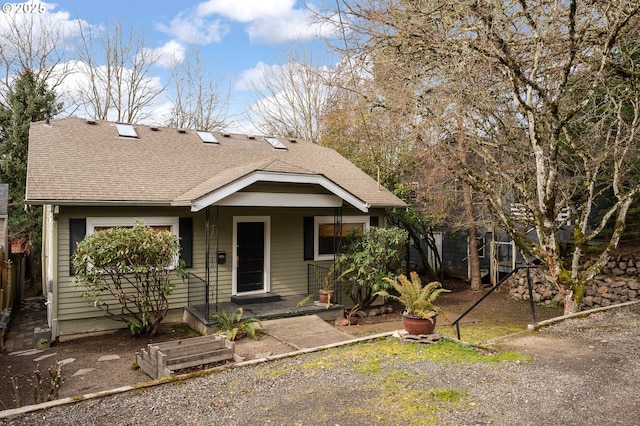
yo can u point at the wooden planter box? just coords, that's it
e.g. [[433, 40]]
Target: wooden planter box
[[163, 359]]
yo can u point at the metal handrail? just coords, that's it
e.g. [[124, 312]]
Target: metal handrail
[[533, 313]]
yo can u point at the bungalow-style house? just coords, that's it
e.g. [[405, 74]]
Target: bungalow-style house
[[253, 214]]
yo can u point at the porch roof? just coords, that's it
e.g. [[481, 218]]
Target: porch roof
[[74, 161]]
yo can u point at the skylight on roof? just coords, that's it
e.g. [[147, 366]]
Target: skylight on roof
[[207, 137], [126, 130], [274, 142]]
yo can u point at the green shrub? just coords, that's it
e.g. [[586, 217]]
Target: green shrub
[[126, 273], [369, 258]]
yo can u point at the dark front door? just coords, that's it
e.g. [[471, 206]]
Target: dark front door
[[250, 256]]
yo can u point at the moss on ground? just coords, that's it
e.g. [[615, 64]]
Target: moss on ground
[[400, 396]]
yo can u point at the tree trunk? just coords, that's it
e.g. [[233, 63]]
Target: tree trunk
[[570, 305], [474, 256]]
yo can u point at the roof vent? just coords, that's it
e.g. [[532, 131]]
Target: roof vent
[[251, 137], [126, 130], [154, 128], [274, 142], [207, 137], [226, 135], [182, 131], [293, 141], [89, 121]]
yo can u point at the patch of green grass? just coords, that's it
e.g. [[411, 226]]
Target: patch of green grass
[[399, 395], [477, 333], [459, 353], [446, 395], [322, 363], [367, 357], [368, 367], [274, 371]]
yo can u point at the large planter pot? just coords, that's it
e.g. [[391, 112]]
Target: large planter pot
[[417, 326]]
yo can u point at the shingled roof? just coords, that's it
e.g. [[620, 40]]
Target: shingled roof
[[79, 162]]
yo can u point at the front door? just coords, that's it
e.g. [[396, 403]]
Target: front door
[[250, 256]]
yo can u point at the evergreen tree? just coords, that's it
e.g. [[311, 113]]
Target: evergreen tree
[[28, 100]]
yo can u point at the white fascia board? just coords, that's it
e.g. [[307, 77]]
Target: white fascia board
[[271, 199], [260, 176]]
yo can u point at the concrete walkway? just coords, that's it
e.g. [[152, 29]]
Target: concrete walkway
[[304, 332]]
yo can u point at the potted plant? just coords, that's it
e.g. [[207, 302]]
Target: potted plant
[[326, 292], [419, 315], [233, 327]]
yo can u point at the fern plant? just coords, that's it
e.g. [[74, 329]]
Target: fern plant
[[418, 300], [232, 324]]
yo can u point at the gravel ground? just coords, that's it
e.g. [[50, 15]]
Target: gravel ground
[[584, 371]]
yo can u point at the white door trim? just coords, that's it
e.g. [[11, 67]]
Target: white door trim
[[267, 253]]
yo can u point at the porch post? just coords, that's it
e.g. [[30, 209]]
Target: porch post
[[337, 241], [207, 226], [217, 249]]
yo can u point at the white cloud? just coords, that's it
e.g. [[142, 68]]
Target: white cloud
[[170, 53], [253, 78], [46, 31], [193, 29], [265, 21], [293, 25], [246, 10]]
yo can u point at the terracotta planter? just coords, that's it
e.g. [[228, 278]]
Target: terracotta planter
[[323, 296], [417, 326]]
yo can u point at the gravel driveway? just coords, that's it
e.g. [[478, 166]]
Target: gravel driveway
[[584, 371]]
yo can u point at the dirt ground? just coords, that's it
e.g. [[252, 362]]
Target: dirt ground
[[118, 370]]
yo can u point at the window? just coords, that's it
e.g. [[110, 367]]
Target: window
[[482, 244], [274, 142], [126, 130], [326, 233], [207, 137], [171, 224], [158, 223]]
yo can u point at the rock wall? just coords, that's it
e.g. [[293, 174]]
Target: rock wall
[[619, 282]]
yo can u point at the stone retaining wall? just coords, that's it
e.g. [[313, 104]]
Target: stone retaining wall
[[619, 282]]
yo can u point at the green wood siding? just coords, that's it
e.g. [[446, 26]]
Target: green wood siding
[[288, 267]]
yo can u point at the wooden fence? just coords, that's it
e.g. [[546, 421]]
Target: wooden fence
[[11, 289]]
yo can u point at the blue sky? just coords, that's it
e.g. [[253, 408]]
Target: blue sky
[[236, 38]]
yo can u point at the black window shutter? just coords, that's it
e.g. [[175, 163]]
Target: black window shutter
[[186, 241], [77, 231], [374, 221], [308, 237]]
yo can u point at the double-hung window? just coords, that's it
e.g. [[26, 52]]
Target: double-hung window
[[171, 224], [328, 233]]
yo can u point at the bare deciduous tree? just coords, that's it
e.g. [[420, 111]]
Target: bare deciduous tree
[[289, 97], [198, 101], [547, 93], [31, 42], [115, 65], [387, 114]]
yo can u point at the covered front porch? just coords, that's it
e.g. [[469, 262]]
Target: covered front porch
[[202, 303]]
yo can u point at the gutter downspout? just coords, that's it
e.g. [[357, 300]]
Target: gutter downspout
[[50, 279]]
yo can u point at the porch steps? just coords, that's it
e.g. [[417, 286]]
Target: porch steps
[[252, 299]]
